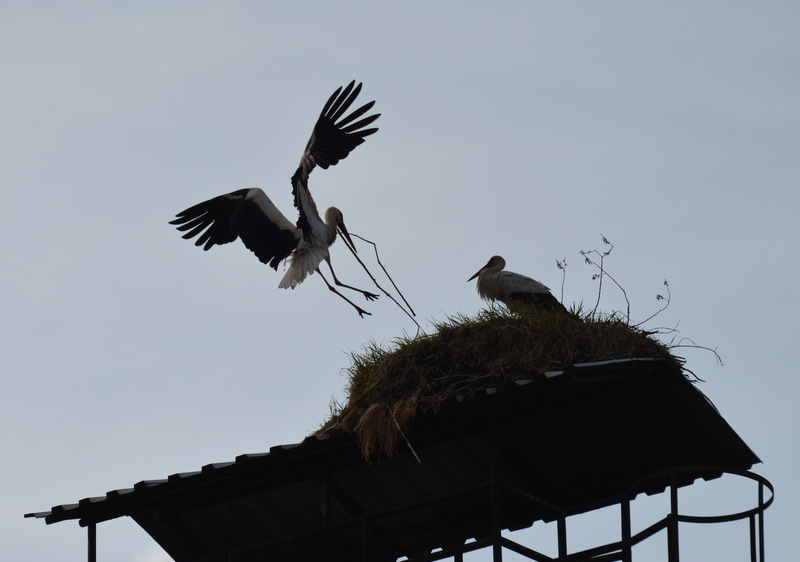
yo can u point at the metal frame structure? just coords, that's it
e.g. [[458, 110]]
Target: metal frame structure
[[617, 551], [622, 550], [541, 449]]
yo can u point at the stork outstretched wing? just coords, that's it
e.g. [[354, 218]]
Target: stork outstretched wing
[[330, 142], [250, 215], [247, 214]]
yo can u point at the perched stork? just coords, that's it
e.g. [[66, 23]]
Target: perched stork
[[512, 289], [250, 215]]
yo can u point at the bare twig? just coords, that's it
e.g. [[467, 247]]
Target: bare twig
[[378, 258], [668, 298], [416, 456], [410, 312], [694, 345], [605, 273], [562, 265]]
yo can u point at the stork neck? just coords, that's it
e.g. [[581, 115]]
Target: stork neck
[[331, 234]]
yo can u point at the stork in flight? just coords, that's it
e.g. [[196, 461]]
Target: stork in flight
[[513, 289], [250, 215]]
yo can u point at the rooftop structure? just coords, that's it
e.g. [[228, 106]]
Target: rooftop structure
[[545, 448]]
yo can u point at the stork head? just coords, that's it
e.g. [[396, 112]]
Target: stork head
[[334, 218], [495, 263]]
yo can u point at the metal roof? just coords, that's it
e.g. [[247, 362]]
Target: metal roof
[[558, 444]]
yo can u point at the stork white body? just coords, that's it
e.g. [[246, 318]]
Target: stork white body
[[250, 215], [310, 252], [512, 289]]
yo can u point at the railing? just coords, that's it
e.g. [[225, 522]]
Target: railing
[[621, 551]]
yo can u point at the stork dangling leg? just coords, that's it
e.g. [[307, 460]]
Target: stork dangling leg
[[361, 311]]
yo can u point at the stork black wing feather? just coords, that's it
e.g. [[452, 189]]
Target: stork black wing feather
[[331, 99], [363, 123], [333, 141], [357, 113], [343, 101], [210, 214], [544, 301], [264, 238], [247, 214]]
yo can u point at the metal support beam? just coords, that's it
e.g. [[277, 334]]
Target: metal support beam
[[373, 534], [92, 533], [562, 538], [494, 490], [627, 545], [760, 516], [672, 521]]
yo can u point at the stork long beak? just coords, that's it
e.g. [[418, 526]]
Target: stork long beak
[[478, 272], [346, 237]]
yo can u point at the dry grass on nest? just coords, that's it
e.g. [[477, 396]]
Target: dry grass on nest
[[387, 388]]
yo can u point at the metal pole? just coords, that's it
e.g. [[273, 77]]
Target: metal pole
[[562, 538], [672, 527], [761, 520], [627, 547], [497, 547], [92, 532]]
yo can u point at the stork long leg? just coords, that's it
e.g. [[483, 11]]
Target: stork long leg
[[369, 296], [361, 311]]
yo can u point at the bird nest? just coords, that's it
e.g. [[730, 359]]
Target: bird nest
[[464, 356]]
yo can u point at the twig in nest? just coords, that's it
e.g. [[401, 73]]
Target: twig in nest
[[410, 312], [416, 456], [694, 345], [668, 298], [604, 272], [562, 265]]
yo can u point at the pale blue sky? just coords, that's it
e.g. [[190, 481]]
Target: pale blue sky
[[525, 130]]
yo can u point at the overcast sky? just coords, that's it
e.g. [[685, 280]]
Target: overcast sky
[[527, 129]]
